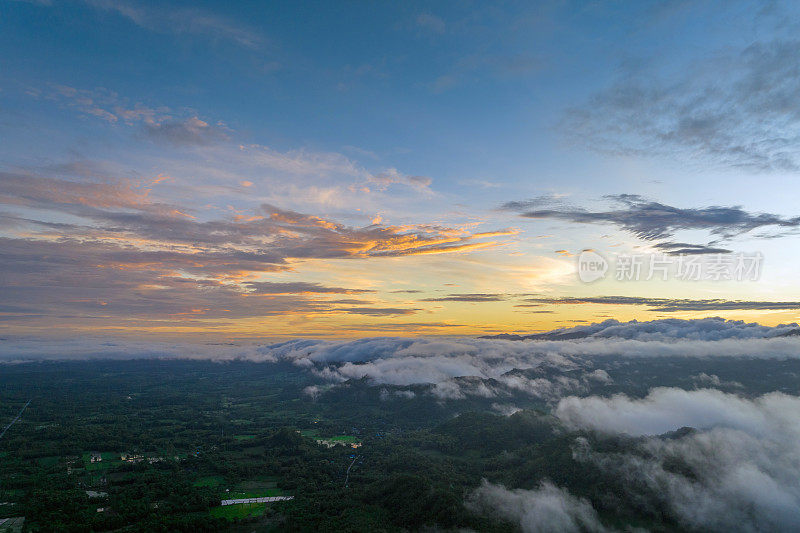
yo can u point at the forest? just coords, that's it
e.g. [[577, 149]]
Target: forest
[[156, 445]]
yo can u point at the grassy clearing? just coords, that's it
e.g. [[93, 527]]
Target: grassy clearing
[[263, 482], [48, 461], [241, 510], [209, 481], [342, 438]]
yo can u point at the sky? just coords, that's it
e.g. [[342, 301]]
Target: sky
[[223, 170]]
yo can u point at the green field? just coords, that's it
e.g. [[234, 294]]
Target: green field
[[342, 438], [255, 488], [48, 461], [209, 481], [337, 439], [269, 482], [242, 510]]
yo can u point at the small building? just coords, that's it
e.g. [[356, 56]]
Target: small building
[[95, 457]]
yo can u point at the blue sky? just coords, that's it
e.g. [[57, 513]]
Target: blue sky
[[419, 121]]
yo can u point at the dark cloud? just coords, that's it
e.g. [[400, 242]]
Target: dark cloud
[[683, 248], [101, 280], [83, 282], [298, 287], [651, 220], [669, 305], [473, 297], [350, 301], [733, 108], [378, 311]]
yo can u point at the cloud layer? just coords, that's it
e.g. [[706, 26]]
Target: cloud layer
[[548, 508], [453, 368], [739, 471], [116, 253]]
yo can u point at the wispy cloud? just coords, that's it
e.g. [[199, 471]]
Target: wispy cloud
[[189, 131], [190, 21], [732, 108], [298, 287], [431, 22], [156, 122], [391, 176], [473, 68]]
